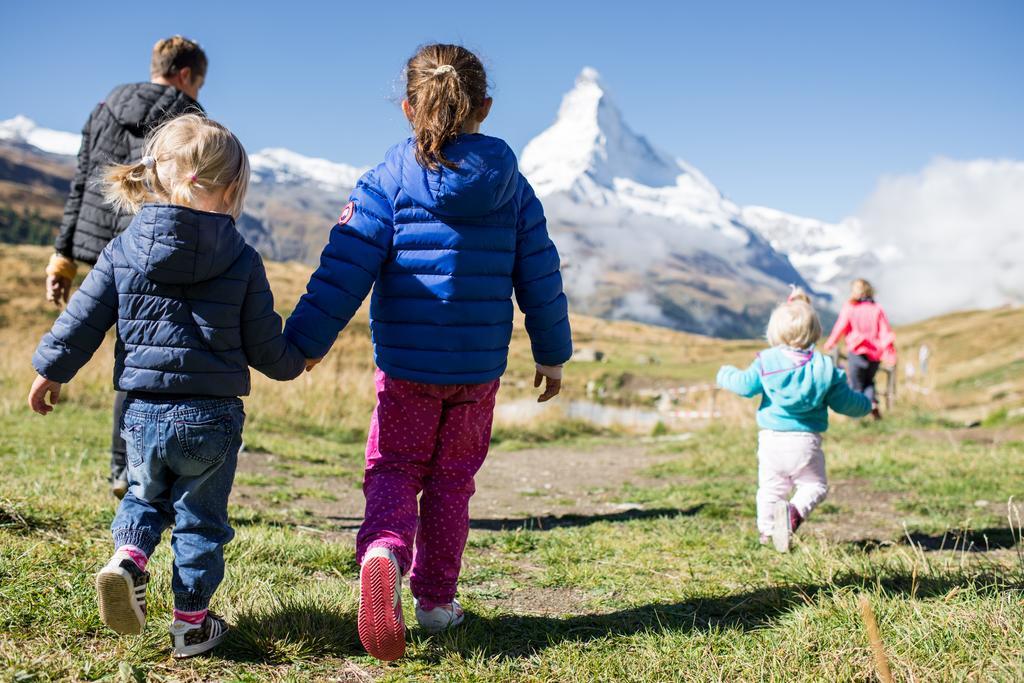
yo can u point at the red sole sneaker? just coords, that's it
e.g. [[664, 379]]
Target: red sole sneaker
[[381, 627]]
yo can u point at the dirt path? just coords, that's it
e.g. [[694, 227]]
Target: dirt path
[[534, 488], [542, 488]]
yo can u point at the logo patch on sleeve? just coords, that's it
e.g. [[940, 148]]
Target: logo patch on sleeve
[[347, 213]]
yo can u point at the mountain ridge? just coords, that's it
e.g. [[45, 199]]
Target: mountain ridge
[[644, 235]]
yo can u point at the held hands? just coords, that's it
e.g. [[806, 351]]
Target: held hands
[[37, 395], [552, 377], [312, 363]]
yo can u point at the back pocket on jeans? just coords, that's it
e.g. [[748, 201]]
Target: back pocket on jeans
[[132, 435], [206, 440]]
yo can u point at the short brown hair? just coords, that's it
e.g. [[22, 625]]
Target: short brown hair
[[173, 54], [445, 84]]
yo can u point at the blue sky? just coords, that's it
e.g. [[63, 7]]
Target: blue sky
[[797, 105]]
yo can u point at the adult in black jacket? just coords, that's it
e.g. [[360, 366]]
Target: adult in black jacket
[[115, 133]]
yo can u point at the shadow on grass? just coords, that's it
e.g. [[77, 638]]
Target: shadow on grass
[[292, 632], [19, 519], [517, 636], [958, 540], [310, 629], [547, 522], [541, 523]]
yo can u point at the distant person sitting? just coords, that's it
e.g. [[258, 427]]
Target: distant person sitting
[[114, 134], [797, 385], [870, 340]]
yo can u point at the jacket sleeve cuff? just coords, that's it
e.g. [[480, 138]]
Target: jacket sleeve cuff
[[61, 266]]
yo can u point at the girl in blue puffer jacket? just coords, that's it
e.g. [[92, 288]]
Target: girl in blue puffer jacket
[[797, 386], [193, 310], [446, 229]]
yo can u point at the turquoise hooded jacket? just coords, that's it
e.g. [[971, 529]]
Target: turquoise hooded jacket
[[797, 387]]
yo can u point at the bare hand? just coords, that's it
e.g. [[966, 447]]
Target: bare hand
[[551, 387], [37, 395], [58, 289], [312, 363]]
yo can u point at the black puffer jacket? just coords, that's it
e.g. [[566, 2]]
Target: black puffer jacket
[[114, 133]]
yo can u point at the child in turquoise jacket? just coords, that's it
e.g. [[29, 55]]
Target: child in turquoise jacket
[[797, 386]]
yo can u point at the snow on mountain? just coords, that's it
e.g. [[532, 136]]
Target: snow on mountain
[[22, 129], [284, 166], [643, 235], [647, 236], [824, 253], [274, 164]]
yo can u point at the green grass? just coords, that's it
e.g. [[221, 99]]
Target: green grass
[[677, 589]]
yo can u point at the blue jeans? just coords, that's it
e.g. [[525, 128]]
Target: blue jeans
[[182, 456]]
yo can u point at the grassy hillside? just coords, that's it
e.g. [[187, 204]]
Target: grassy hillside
[[593, 555], [976, 368]]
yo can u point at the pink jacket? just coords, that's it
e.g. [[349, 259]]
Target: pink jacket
[[867, 331]]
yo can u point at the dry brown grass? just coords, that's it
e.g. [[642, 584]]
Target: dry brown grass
[[976, 365]]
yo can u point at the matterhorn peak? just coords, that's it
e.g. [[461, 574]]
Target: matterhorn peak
[[590, 142]]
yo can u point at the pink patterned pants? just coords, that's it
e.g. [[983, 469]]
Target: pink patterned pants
[[429, 439]]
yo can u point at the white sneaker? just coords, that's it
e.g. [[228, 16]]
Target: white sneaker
[[189, 640], [121, 594], [441, 617], [782, 530]]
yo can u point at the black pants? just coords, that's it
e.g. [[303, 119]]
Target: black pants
[[118, 450], [860, 373]]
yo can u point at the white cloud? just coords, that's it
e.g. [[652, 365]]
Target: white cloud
[[951, 236]]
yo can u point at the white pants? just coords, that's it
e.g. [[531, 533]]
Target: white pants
[[787, 460]]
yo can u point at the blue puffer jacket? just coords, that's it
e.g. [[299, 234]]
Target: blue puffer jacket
[[446, 249], [797, 387], [192, 305]]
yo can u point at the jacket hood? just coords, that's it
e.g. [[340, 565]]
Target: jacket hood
[[485, 179], [142, 106], [179, 246], [795, 380]]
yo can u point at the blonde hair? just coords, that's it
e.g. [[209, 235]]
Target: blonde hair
[[794, 324], [186, 156], [798, 294], [861, 289], [444, 85]]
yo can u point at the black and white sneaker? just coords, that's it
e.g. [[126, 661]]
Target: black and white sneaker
[[188, 640], [121, 593]]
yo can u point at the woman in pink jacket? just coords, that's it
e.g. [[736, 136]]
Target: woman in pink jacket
[[869, 340]]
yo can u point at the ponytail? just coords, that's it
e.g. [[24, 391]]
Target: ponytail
[[445, 84], [186, 156], [125, 186]]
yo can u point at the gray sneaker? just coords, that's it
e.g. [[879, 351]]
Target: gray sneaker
[[189, 640], [121, 594]]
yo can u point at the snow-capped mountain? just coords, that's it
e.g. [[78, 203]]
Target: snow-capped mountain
[[292, 202], [824, 253], [647, 236], [23, 130], [644, 235], [283, 166]]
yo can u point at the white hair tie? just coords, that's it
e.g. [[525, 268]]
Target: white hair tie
[[444, 69], [148, 161]]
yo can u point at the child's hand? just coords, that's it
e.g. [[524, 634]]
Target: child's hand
[[37, 395], [312, 363], [552, 376]]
